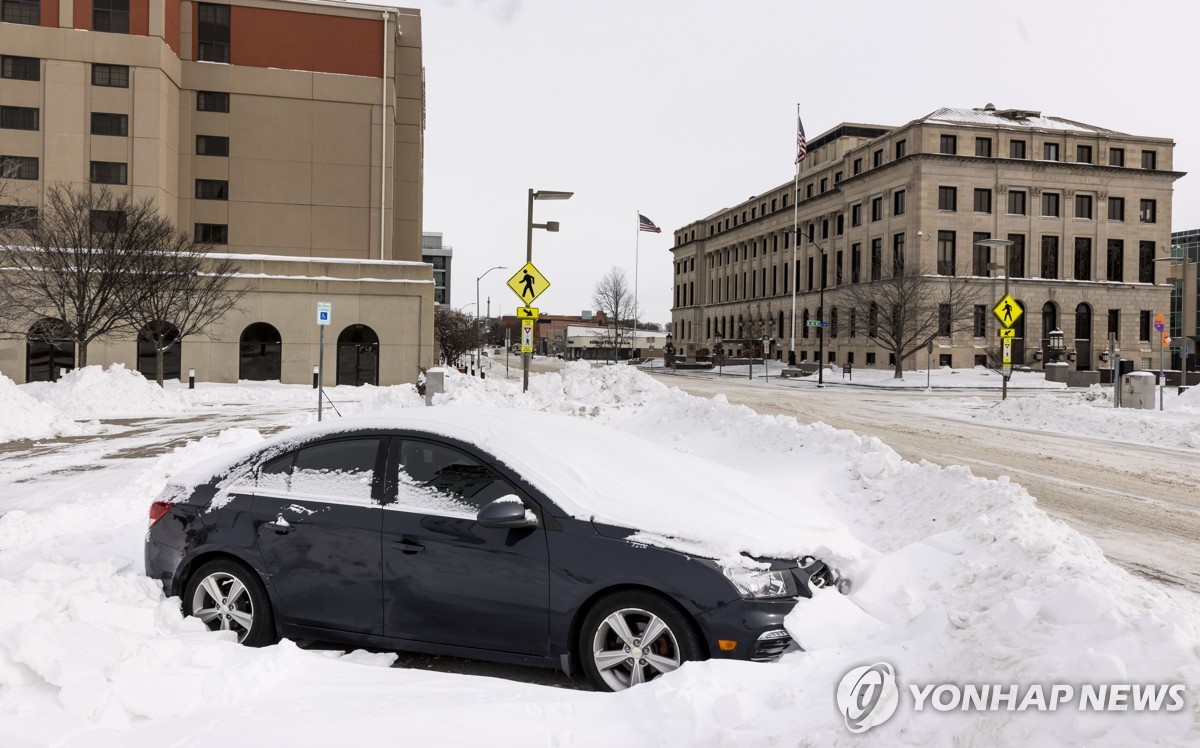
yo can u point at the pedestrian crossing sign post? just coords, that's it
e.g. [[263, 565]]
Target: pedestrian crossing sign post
[[1008, 311], [528, 284]]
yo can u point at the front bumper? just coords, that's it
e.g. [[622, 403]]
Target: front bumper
[[755, 625]]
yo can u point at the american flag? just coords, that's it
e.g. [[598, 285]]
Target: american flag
[[645, 224], [801, 142]]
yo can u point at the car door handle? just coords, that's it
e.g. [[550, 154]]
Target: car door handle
[[407, 546]]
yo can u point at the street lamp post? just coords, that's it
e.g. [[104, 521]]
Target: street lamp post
[[530, 226], [820, 309], [720, 349], [1006, 243], [669, 351], [478, 331]]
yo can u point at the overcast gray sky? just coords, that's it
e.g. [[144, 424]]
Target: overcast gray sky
[[679, 108]]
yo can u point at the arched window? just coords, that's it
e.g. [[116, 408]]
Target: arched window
[[358, 356], [49, 353], [172, 352], [1049, 322], [805, 331], [261, 353]]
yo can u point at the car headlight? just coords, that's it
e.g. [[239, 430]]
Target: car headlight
[[761, 583]]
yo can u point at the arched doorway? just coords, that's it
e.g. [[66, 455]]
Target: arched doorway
[[1083, 337], [261, 353], [172, 355], [1018, 344], [1049, 322], [48, 352], [358, 356]]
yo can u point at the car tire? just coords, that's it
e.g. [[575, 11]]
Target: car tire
[[227, 596], [613, 648]]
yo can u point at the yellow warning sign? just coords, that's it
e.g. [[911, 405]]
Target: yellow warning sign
[[1008, 311], [527, 335], [527, 312], [528, 283], [1008, 332]]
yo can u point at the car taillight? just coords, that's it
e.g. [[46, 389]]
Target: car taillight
[[158, 510]]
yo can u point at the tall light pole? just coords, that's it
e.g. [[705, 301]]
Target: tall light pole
[[820, 310], [530, 226], [1006, 243], [478, 332]]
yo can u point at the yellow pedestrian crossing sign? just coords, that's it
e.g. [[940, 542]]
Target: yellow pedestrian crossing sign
[[528, 283], [1008, 311], [527, 312]]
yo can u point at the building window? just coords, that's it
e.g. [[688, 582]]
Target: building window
[[837, 269], [841, 224], [1116, 156], [898, 254], [212, 189], [855, 262], [983, 201], [948, 198], [1050, 152], [1145, 262], [1083, 258], [945, 262], [1083, 206], [983, 147], [876, 259], [19, 167], [214, 33], [870, 358], [979, 324], [1114, 323], [1016, 256], [898, 203], [1116, 260], [833, 322], [104, 123], [856, 215], [981, 255], [808, 192], [877, 158], [212, 145], [111, 16], [1050, 257], [1050, 204], [18, 217], [824, 228], [108, 221], [824, 186], [1116, 209], [1144, 325], [20, 68], [212, 233], [18, 118], [1016, 149], [944, 320], [1016, 202], [837, 177], [876, 208], [22, 11], [113, 76], [1148, 212], [108, 172], [857, 166], [218, 101], [949, 145], [1083, 154], [1149, 160], [901, 149], [872, 326]]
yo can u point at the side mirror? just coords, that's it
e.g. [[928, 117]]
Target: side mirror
[[505, 512]]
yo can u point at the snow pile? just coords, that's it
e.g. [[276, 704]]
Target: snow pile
[[115, 392], [376, 399], [24, 417], [1091, 413], [957, 579]]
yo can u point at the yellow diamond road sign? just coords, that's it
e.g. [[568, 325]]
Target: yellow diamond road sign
[[1008, 311], [527, 312], [528, 283]]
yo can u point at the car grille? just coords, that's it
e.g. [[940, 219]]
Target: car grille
[[771, 646]]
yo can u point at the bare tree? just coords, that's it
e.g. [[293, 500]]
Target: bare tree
[[454, 333], [905, 312], [187, 291], [613, 297], [83, 263]]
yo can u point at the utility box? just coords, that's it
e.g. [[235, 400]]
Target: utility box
[[435, 384], [1056, 371], [1137, 390]]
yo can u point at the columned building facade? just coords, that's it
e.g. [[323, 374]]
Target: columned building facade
[[1088, 211], [286, 132]]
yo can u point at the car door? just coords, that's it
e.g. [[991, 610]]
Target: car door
[[318, 519], [449, 580]]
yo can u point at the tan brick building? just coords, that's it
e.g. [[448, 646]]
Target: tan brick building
[[286, 131], [1088, 210]]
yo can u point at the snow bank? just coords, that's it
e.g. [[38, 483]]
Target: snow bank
[[115, 392], [24, 417]]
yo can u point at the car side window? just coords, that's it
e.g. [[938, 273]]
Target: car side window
[[441, 480], [342, 470]]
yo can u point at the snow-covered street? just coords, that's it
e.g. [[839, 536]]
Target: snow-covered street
[[957, 579]]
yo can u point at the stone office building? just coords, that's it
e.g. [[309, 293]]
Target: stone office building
[[1088, 211], [286, 132]]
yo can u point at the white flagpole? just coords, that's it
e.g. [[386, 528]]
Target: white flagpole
[[795, 242]]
